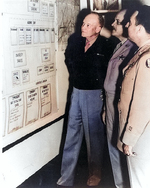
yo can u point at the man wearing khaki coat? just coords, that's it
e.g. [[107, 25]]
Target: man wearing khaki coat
[[134, 105]]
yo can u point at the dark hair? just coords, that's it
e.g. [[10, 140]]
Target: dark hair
[[143, 17], [126, 19], [100, 18], [130, 9]]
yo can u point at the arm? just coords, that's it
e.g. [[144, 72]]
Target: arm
[[139, 114], [105, 32]]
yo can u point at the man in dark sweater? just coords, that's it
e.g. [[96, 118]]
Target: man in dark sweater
[[87, 59]]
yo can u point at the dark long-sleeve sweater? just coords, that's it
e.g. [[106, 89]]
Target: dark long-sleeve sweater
[[88, 69]]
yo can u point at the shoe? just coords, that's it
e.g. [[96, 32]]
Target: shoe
[[62, 186], [93, 181]]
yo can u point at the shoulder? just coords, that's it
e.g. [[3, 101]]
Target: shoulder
[[128, 44], [144, 53], [131, 44], [102, 39], [145, 60], [75, 38]]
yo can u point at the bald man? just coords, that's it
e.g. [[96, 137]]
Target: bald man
[[91, 53]]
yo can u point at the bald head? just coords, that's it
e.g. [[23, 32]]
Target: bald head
[[92, 18], [92, 25], [97, 18]]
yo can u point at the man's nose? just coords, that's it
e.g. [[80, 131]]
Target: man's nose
[[127, 25], [83, 27], [113, 23]]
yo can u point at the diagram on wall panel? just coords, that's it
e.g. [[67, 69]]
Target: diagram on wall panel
[[32, 47], [29, 80], [16, 112], [67, 13], [34, 6], [32, 110], [45, 100], [32, 51]]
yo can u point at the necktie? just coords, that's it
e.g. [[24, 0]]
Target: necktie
[[87, 45], [117, 47]]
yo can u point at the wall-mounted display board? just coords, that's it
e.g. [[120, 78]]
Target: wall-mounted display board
[[29, 69], [33, 32]]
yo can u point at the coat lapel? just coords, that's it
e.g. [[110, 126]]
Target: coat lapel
[[119, 53], [136, 57]]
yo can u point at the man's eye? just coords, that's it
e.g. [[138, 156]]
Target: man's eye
[[118, 22]]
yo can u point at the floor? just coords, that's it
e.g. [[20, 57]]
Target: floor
[[47, 176]]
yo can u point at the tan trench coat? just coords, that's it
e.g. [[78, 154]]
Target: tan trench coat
[[134, 105]]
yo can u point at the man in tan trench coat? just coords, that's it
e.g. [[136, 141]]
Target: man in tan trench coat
[[134, 105]]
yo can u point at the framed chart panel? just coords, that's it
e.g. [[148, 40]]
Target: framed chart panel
[[104, 6]]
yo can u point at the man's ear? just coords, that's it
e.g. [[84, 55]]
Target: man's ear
[[98, 29], [140, 29]]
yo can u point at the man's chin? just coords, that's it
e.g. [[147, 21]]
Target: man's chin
[[130, 39], [83, 35], [113, 32]]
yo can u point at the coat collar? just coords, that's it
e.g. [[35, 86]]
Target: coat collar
[[127, 44], [137, 56], [139, 53]]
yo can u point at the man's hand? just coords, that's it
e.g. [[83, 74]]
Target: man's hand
[[127, 150], [104, 117]]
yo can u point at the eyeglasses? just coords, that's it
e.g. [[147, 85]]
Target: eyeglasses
[[118, 22]]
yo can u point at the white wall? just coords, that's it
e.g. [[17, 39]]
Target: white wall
[[25, 158], [83, 4]]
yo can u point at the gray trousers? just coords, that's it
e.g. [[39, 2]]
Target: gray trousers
[[118, 160], [84, 118]]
